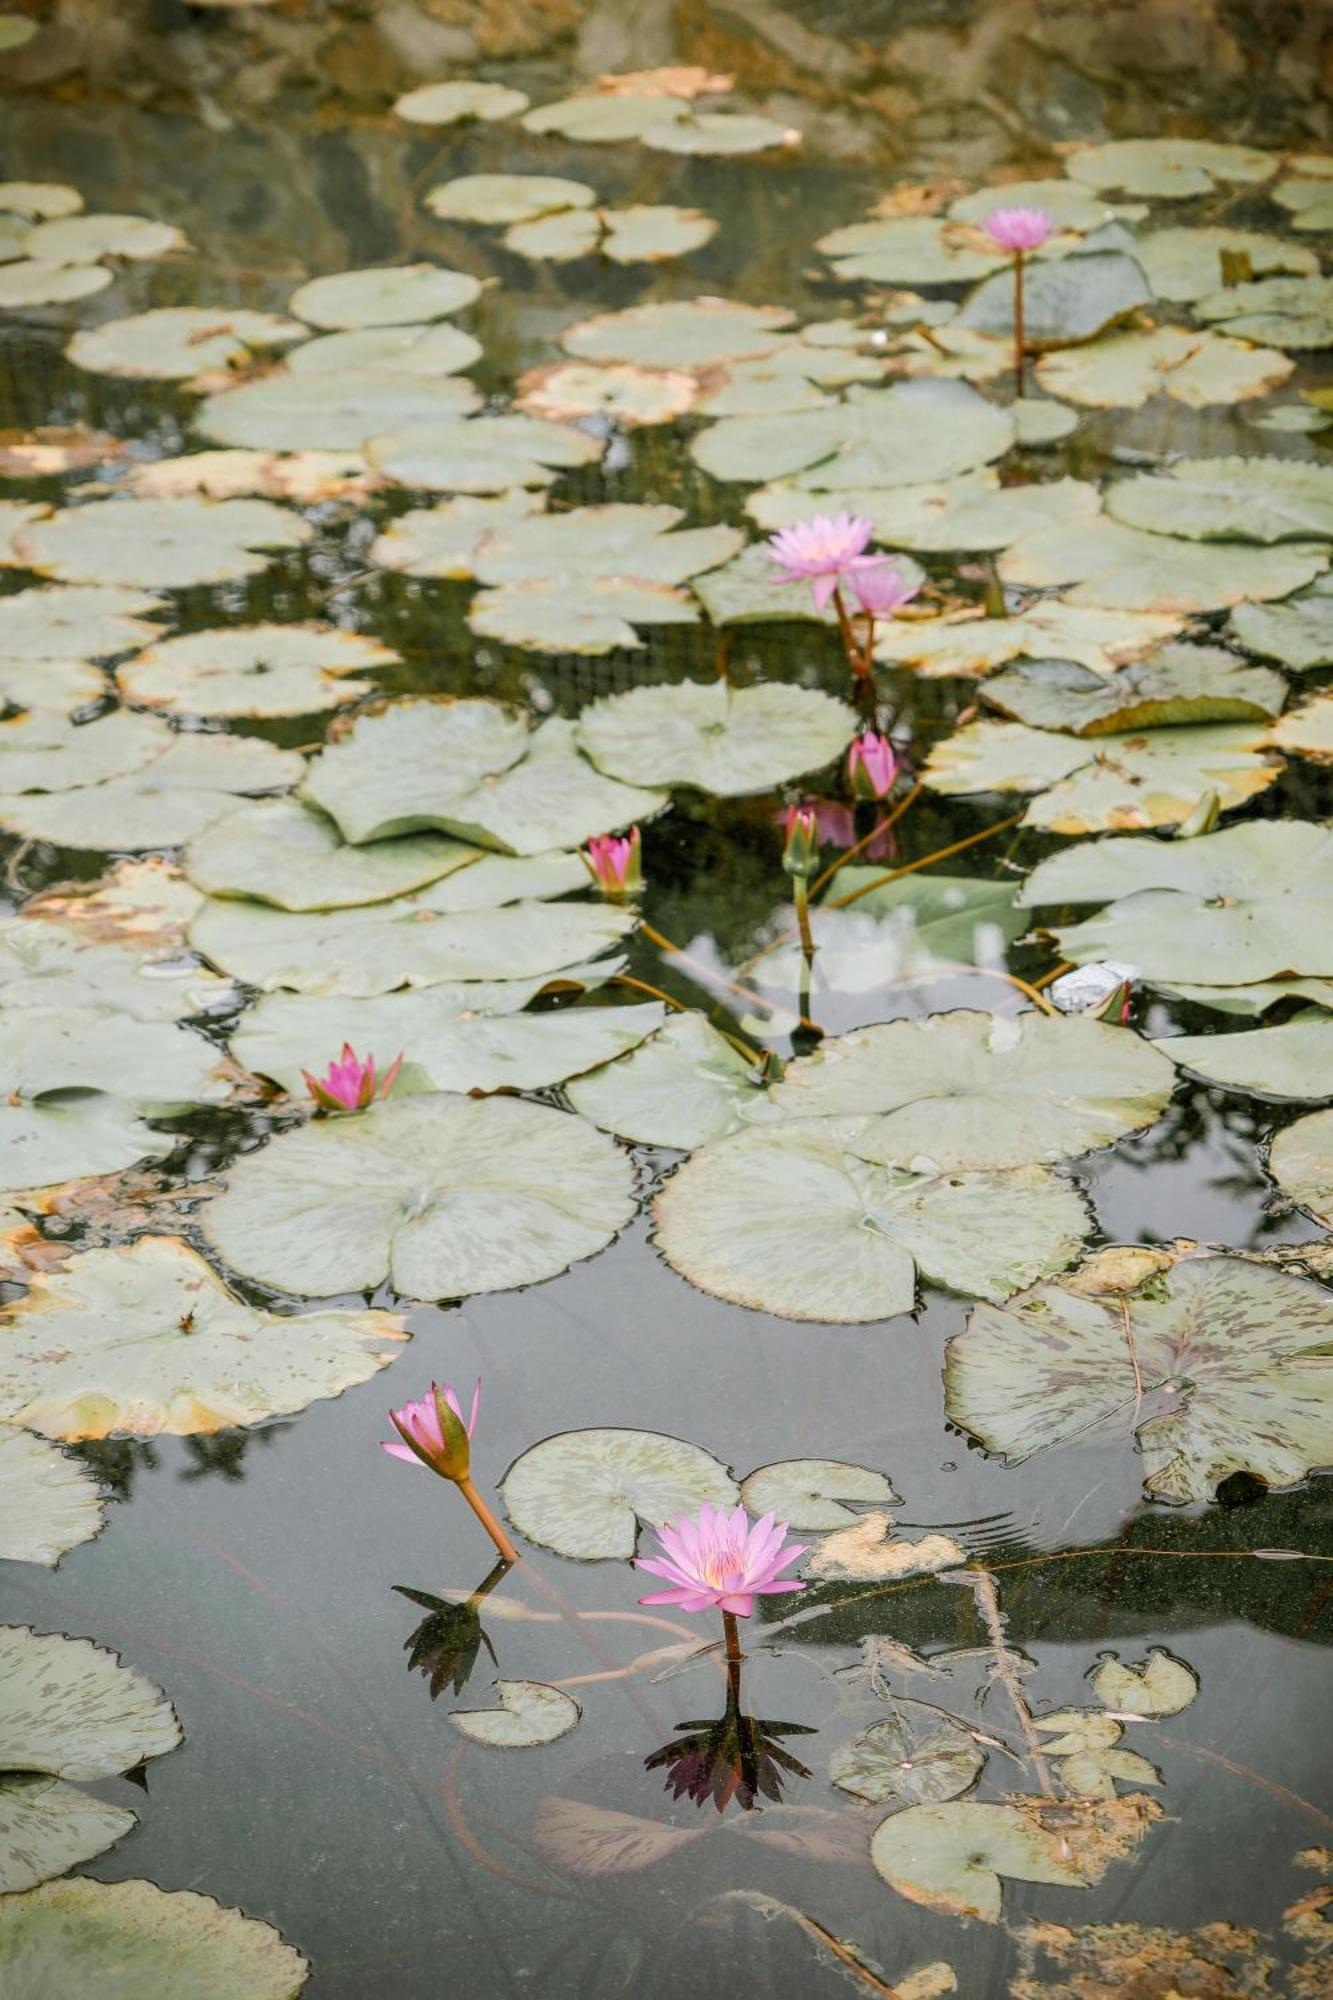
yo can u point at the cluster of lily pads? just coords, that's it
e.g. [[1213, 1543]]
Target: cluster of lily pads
[[414, 884]]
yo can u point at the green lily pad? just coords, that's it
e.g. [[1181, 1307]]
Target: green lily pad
[[1307, 199], [287, 1034], [91, 621], [388, 295], [530, 1714], [168, 544], [544, 615], [145, 1340], [1065, 202], [617, 540], [502, 198], [48, 1502], [584, 1493], [1175, 685], [82, 239], [968, 643], [1230, 1356], [40, 753], [722, 133], [442, 541], [680, 333], [811, 1492], [483, 454], [620, 391], [951, 1856], [445, 1196], [685, 1084], [970, 1090], [1184, 263], [557, 239], [602, 117], [743, 591], [253, 670], [156, 1066], [1231, 499], [716, 738], [1168, 167], [120, 1939], [47, 1827], [452, 103], [283, 852], [1301, 1162], [178, 341], [916, 1756], [61, 1139], [1123, 370], [1291, 1061], [333, 410], [1162, 1686], [461, 767], [31, 281], [910, 250], [1298, 633], [1065, 300], [1307, 731], [971, 512], [396, 350], [1286, 312], [906, 434], [648, 233], [1114, 567], [795, 1220]]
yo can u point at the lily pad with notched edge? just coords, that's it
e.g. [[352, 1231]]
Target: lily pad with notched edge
[[971, 512], [1293, 1060], [968, 643], [684, 1085], [145, 1340], [168, 544], [175, 342], [584, 1493], [88, 621], [48, 1502], [910, 250], [811, 1492], [628, 395], [333, 410], [1161, 1686], [680, 333], [1301, 1162], [120, 1939], [951, 1857], [283, 852], [716, 738], [58, 1139], [445, 1196], [1123, 370], [1229, 499], [1290, 313], [1307, 731], [440, 349], [1186, 263], [906, 434], [598, 118], [531, 1713], [253, 670], [964, 1091], [1168, 167], [159, 1068], [794, 1220], [1216, 1365], [451, 103], [1114, 567], [916, 1756], [597, 614], [31, 281], [1174, 685], [481, 454], [442, 541], [618, 539], [388, 295], [1298, 633], [82, 239]]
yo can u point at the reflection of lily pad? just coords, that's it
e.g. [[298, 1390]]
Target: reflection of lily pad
[[968, 1090], [584, 1493], [445, 1196], [253, 670], [1231, 499], [811, 1492], [793, 1219], [48, 1502], [916, 1756], [168, 544], [390, 295], [684, 1085], [719, 739], [1292, 1060], [145, 1339], [178, 341], [1174, 685], [1122, 370], [282, 852], [1216, 1365], [530, 1714], [1301, 1162]]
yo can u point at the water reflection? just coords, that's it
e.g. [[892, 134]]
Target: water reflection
[[734, 1761], [445, 1645]]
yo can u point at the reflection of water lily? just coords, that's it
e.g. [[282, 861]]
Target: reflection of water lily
[[822, 551], [348, 1084], [872, 766], [1019, 229], [432, 1432], [445, 1645], [736, 1759], [883, 590], [615, 862], [723, 1560]]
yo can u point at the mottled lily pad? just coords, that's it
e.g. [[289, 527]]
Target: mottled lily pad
[[333, 409], [483, 455], [1292, 1061], [442, 541], [719, 739], [1301, 1162], [174, 342], [1229, 499], [1175, 685], [813, 1492], [1117, 568], [1161, 1686], [1122, 370], [685, 1084], [253, 670], [48, 1502], [444, 1196], [681, 333], [1215, 1365], [530, 1714], [389, 295], [584, 1493], [952, 1857], [167, 544], [1298, 633], [916, 1756]]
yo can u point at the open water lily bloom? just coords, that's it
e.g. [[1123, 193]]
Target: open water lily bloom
[[1019, 229], [822, 551], [423, 1432], [348, 1084], [722, 1560]]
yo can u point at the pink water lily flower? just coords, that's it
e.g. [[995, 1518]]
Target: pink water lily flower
[[822, 551], [883, 590], [615, 862], [349, 1084], [722, 1559], [1019, 229], [872, 765], [426, 1436]]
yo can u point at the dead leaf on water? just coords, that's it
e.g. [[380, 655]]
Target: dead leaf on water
[[867, 1552]]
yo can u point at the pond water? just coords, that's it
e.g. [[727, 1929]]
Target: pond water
[[1106, 1508]]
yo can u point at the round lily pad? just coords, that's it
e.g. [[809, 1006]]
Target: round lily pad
[[812, 1492], [31, 281], [719, 739], [501, 198], [602, 117], [444, 1196], [442, 541], [951, 1856], [1161, 1686], [794, 1220], [284, 852], [584, 1493], [916, 1756], [1301, 1162], [451, 103], [685, 1084], [681, 333], [334, 409], [530, 1714], [1231, 499], [90, 621], [169, 544], [178, 341], [723, 133], [59, 1139], [39, 199], [145, 1339], [82, 239], [412, 350], [910, 250], [388, 295], [1293, 1060], [483, 455], [48, 1502], [599, 615], [253, 670], [1226, 1374], [1123, 370]]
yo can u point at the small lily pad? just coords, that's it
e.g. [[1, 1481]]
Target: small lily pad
[[1162, 1686], [39, 199], [49, 1503], [719, 739], [600, 118], [442, 541], [723, 133], [531, 1713], [253, 670], [389, 295], [916, 1756], [82, 239], [178, 341], [90, 621], [584, 1493], [682, 1086], [452, 103], [1301, 1162], [1292, 1061], [811, 1492], [31, 281], [503, 198], [168, 544], [1307, 730]]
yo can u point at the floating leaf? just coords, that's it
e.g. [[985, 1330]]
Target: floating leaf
[[743, 591], [81, 239], [47, 1827], [1232, 499], [681, 333], [910, 250], [1065, 301], [31, 282], [971, 512], [89, 621], [584, 1493], [501, 198], [1122, 370], [793, 1219], [684, 1085], [1066, 203], [451, 103], [909, 433], [483, 455], [1299, 633], [1301, 1162], [1115, 567], [442, 541], [1308, 201], [1293, 1060], [1174, 685], [970, 1090], [36, 199], [169, 544], [1169, 167], [57, 1139], [253, 670], [969, 643], [144, 1340], [651, 234], [719, 739], [1289, 312], [559, 238], [1162, 1686], [412, 350], [282, 852], [387, 295], [718, 132], [950, 1857], [916, 1756], [869, 1552], [59, 686], [333, 410], [1307, 731], [530, 1714], [811, 1492], [597, 615], [445, 1196], [178, 341], [1187, 263], [601, 118], [617, 540], [159, 1068], [1214, 1363], [629, 395], [308, 477], [122, 1939], [48, 1504]]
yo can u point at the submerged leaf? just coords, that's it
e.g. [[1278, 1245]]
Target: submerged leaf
[[916, 1756]]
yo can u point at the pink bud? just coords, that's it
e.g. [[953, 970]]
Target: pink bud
[[872, 766], [615, 863], [800, 854]]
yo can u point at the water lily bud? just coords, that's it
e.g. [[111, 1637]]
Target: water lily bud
[[433, 1433], [872, 766], [349, 1084], [800, 854], [615, 862]]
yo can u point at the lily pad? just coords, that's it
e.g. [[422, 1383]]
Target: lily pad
[[47, 1827], [601, 118], [175, 786], [145, 1340], [951, 1857], [451, 103], [743, 592], [968, 643], [445, 1196], [906, 434], [120, 1939], [502, 198], [648, 233], [722, 133], [628, 395], [584, 1493], [684, 1085], [680, 333], [90, 621], [971, 512], [333, 409], [59, 1139], [1301, 1162], [48, 1502], [811, 1492], [970, 1090], [1291, 1061], [716, 738], [31, 281], [1065, 301], [1168, 167], [483, 454], [253, 670], [1229, 499], [1307, 731], [1174, 685], [82, 239], [168, 544], [910, 250], [1287, 312], [1118, 568], [1228, 1373], [442, 541], [282, 852], [460, 767], [310, 478], [1065, 202], [58, 686], [38, 199], [412, 350], [1186, 263], [617, 540], [1298, 633], [530, 1714], [916, 1756], [1122, 370], [598, 615], [1161, 1686], [795, 1220], [178, 341], [158, 1067], [1307, 199], [388, 295]]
